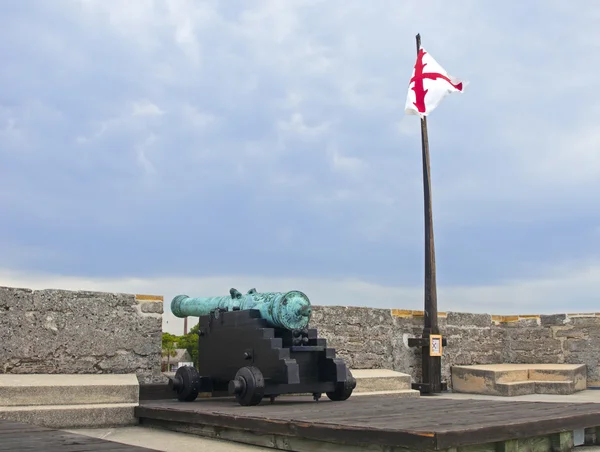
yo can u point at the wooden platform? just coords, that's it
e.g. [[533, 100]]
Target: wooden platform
[[382, 423], [15, 436]]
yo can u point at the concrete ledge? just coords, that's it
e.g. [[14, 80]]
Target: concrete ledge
[[165, 440], [73, 416], [519, 379], [69, 389], [380, 380], [391, 393], [555, 387], [515, 388]]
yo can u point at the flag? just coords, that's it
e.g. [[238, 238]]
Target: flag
[[429, 84]]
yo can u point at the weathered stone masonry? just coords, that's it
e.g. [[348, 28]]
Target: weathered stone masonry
[[377, 338], [60, 331]]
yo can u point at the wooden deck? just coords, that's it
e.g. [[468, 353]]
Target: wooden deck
[[423, 424], [15, 436]]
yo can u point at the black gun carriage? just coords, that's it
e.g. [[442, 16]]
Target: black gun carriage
[[258, 345]]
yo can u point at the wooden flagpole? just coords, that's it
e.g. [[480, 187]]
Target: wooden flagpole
[[431, 342]]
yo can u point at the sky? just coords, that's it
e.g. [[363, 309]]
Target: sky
[[177, 146]]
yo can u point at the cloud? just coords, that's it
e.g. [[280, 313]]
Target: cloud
[[346, 164], [200, 139], [146, 108]]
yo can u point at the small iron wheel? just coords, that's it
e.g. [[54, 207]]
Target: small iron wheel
[[248, 386], [186, 383], [343, 389]]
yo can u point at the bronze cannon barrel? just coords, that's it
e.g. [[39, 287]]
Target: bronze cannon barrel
[[290, 310]]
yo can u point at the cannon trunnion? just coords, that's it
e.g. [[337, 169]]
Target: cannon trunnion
[[244, 355]]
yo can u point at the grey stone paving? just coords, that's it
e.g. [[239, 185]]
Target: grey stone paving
[[166, 441]]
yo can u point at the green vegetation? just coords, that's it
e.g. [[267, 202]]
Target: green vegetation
[[168, 351], [189, 341]]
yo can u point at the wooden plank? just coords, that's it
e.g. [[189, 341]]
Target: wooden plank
[[512, 445], [446, 409], [419, 423], [562, 442], [590, 436], [425, 419], [517, 429], [292, 428], [288, 443]]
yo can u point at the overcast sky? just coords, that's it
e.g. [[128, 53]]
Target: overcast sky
[[182, 146]]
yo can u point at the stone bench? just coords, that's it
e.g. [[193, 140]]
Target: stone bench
[[519, 379]]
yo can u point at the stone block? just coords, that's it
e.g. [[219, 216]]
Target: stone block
[[15, 299], [152, 307], [366, 360], [377, 380], [589, 321], [472, 380], [401, 393], [469, 320], [486, 358], [555, 387], [553, 319], [516, 388], [527, 323], [59, 331], [523, 345], [570, 333], [73, 416], [579, 345], [42, 389], [519, 379], [82, 301]]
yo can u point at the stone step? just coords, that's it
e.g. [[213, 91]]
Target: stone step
[[55, 389], [73, 416], [519, 379], [555, 387], [391, 393], [577, 373], [517, 388], [514, 388], [380, 380]]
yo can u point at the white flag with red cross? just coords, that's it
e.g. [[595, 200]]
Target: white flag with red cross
[[429, 84]]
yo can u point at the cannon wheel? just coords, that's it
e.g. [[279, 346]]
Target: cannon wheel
[[343, 389], [248, 386], [186, 383]]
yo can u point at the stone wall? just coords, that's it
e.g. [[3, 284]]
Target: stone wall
[[378, 338], [59, 331]]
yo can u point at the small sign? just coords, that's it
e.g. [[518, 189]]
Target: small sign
[[435, 345]]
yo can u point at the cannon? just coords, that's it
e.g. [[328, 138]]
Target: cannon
[[258, 345], [290, 310]]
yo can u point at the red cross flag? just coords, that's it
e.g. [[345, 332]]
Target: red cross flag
[[429, 84]]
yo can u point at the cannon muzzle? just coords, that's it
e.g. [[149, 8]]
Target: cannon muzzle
[[290, 310]]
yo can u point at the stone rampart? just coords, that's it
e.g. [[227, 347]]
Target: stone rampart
[[378, 338], [60, 331]]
